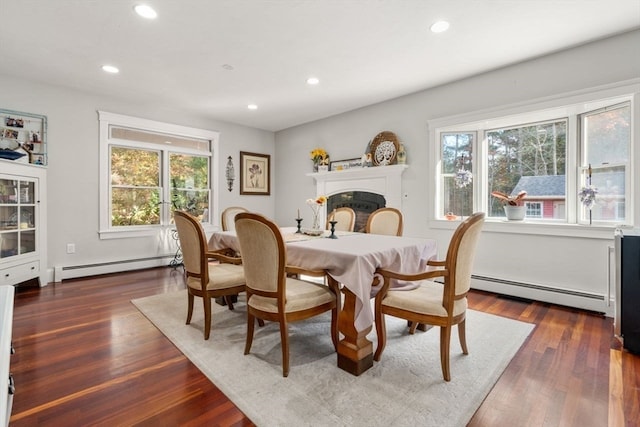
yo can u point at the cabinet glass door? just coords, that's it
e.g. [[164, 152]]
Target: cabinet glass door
[[17, 217]]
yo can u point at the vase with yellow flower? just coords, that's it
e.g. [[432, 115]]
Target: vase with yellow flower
[[316, 205], [319, 157]]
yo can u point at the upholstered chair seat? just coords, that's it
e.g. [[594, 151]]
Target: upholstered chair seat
[[301, 295], [224, 276], [425, 299]]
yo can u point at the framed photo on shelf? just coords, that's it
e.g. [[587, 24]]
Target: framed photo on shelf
[[255, 174], [340, 165]]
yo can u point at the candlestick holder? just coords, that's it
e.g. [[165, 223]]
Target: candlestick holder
[[333, 230], [299, 221]]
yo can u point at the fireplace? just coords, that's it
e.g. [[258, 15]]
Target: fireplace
[[362, 202], [362, 189]]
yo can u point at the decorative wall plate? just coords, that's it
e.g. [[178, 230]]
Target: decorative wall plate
[[384, 148]]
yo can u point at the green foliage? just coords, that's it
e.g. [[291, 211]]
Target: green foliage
[[136, 191], [135, 206]]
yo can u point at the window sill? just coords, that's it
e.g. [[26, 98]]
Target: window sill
[[148, 231], [124, 234], [538, 228]]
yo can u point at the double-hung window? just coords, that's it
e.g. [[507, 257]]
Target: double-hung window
[[149, 170], [553, 154]]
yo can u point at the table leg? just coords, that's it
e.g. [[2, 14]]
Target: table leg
[[355, 351]]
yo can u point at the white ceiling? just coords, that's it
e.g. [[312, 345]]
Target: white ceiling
[[363, 51]]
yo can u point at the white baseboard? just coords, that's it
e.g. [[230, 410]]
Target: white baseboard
[[61, 273], [539, 292]]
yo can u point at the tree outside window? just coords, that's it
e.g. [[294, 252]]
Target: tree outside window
[[457, 151], [135, 187], [189, 184], [530, 150]]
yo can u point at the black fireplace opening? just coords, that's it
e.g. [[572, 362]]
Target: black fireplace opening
[[362, 202]]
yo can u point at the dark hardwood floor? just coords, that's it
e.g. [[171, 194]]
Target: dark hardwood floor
[[86, 356]]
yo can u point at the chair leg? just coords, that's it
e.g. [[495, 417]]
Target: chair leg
[[229, 301], [189, 306], [381, 331], [445, 340], [284, 339], [462, 335], [206, 300], [250, 326], [412, 327]]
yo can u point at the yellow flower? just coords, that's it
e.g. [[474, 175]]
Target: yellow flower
[[320, 200], [318, 154]]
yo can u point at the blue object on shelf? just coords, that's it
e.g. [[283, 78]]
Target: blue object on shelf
[[11, 155]]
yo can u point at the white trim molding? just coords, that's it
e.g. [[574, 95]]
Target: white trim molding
[[383, 180]]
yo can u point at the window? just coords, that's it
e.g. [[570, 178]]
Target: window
[[149, 169], [533, 209], [135, 187], [457, 168], [528, 157], [551, 153], [606, 135]]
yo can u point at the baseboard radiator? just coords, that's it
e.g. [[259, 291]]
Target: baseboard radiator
[[61, 273], [539, 292]]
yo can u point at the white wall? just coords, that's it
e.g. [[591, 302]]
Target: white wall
[[73, 168], [573, 264]]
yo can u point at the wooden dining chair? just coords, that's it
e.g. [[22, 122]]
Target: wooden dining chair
[[345, 217], [229, 215], [432, 303], [204, 279], [386, 221], [273, 295]]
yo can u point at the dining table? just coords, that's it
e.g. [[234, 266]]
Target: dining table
[[351, 259]]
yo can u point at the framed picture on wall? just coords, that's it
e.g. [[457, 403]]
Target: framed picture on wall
[[255, 174]]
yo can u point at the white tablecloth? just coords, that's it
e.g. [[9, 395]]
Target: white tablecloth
[[351, 259]]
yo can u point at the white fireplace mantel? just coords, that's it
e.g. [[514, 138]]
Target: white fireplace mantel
[[383, 180]]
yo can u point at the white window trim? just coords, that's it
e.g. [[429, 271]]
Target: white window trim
[[107, 119], [539, 110]]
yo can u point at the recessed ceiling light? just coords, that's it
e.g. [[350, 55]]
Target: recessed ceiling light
[[227, 67], [440, 27], [145, 11], [313, 81], [110, 69], [252, 107]]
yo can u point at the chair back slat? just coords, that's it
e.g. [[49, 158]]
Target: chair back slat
[[228, 217], [345, 217], [192, 243], [462, 250], [263, 253], [387, 221]]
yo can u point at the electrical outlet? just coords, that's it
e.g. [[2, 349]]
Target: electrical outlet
[[71, 248]]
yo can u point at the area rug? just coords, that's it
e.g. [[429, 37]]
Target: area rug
[[405, 388]]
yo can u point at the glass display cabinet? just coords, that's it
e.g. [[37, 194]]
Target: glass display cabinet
[[22, 228]]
